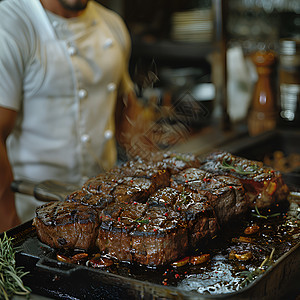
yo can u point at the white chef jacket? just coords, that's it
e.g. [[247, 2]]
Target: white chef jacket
[[63, 77]]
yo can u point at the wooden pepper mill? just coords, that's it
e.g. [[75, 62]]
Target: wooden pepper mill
[[262, 115]]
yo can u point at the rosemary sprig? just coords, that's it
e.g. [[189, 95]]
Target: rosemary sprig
[[251, 275], [141, 221], [238, 169], [138, 220], [180, 157], [259, 215], [10, 276]]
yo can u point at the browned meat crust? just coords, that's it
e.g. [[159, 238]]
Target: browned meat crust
[[158, 231], [263, 185], [225, 194], [154, 211], [67, 225]]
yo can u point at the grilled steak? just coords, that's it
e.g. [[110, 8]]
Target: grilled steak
[[131, 234], [67, 225], [156, 232], [99, 201], [263, 185], [103, 183], [224, 193], [174, 162], [134, 175], [153, 211]]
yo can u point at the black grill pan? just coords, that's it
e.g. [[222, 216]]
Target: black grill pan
[[51, 278]]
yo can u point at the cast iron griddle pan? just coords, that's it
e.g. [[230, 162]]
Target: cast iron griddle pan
[[58, 280], [49, 277]]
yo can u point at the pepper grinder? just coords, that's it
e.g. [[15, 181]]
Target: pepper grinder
[[262, 115]]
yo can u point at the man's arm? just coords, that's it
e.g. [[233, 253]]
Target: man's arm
[[8, 214]]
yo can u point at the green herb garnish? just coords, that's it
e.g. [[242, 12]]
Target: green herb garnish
[[259, 215], [10, 276], [179, 157], [138, 220], [251, 275], [141, 221], [238, 169]]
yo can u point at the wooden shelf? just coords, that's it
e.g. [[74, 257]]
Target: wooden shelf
[[171, 50]]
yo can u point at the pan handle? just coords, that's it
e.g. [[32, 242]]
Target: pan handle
[[48, 190], [60, 268], [23, 187]]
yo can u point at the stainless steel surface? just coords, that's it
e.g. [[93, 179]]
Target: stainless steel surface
[[48, 190]]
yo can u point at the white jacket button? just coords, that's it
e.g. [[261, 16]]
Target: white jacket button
[[111, 87], [85, 138], [108, 134], [72, 50], [82, 93], [107, 43]]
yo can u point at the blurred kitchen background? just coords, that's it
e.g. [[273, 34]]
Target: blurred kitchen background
[[213, 68]]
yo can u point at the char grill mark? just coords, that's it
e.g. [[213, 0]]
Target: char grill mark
[[157, 232], [67, 225], [98, 201], [118, 222], [102, 184], [263, 185], [174, 162], [158, 175], [163, 197], [162, 239], [133, 190]]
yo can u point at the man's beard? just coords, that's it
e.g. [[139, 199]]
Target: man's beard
[[77, 6]]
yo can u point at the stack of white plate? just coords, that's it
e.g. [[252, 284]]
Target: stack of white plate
[[192, 26]]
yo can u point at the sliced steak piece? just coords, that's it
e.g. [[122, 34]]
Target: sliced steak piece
[[118, 220], [161, 238], [157, 232], [66, 225], [142, 234], [130, 182], [193, 212], [199, 216], [175, 162], [263, 185], [104, 183], [224, 193], [133, 189], [139, 168]]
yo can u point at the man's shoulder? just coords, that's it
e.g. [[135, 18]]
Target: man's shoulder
[[14, 6], [105, 12], [14, 13], [114, 22]]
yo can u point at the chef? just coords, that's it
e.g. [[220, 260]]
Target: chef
[[63, 66]]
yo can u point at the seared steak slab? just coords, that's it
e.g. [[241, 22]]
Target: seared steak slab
[[98, 201], [158, 231], [263, 185], [224, 193], [154, 211], [67, 225]]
